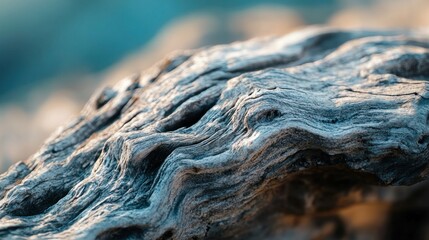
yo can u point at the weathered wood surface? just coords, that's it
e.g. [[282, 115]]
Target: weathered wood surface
[[213, 142]]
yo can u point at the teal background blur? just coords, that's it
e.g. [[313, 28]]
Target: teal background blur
[[44, 38]]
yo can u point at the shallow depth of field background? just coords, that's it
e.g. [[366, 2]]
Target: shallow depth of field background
[[54, 54]]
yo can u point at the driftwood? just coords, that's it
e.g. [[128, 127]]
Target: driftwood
[[216, 142]]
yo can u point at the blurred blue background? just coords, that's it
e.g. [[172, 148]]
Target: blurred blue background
[[44, 38], [54, 54]]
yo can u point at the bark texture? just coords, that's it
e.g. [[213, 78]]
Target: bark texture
[[217, 142]]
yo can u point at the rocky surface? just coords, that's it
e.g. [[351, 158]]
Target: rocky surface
[[232, 140]]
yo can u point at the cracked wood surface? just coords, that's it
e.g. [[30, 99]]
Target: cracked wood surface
[[211, 143]]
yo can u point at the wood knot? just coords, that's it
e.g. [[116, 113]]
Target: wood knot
[[265, 116]]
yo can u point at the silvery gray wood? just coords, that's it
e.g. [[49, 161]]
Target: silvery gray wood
[[208, 143]]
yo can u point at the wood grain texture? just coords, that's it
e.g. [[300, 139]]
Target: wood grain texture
[[213, 142]]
